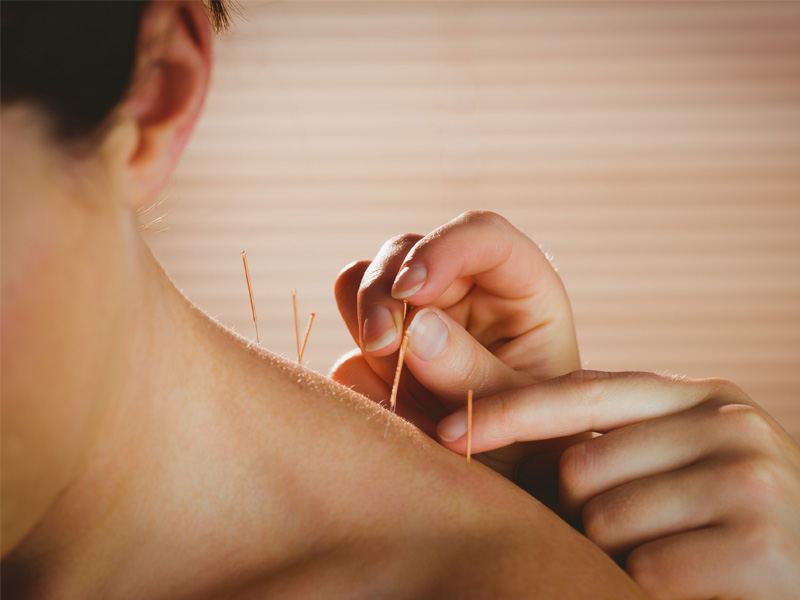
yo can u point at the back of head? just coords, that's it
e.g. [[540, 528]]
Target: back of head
[[75, 60]]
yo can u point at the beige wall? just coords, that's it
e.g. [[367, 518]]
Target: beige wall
[[653, 149]]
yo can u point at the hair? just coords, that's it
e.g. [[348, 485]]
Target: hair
[[75, 60]]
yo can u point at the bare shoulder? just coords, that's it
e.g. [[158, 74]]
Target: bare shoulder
[[363, 516]]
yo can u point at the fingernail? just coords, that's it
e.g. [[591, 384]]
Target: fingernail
[[427, 335], [409, 281], [452, 427], [380, 329]]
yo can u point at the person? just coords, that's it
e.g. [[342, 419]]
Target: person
[[147, 451], [692, 486]]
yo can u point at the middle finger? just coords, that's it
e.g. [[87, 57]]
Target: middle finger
[[649, 448]]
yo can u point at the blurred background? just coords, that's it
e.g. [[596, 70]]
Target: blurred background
[[653, 149]]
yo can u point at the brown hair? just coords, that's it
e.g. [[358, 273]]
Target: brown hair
[[74, 59]]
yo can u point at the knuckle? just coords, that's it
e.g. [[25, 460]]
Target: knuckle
[[748, 422], [758, 477], [470, 361], [485, 218], [481, 215], [573, 465], [402, 241], [591, 390], [764, 542], [756, 539], [589, 387], [724, 388], [371, 277], [598, 521], [385, 263], [502, 411], [646, 570], [356, 267]]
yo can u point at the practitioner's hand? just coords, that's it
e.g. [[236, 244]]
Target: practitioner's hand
[[693, 485], [491, 314]]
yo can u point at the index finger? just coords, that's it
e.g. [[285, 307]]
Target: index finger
[[482, 245], [579, 402]]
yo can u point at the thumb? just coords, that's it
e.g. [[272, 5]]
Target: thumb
[[448, 361]]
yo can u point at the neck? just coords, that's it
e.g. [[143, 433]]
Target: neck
[[161, 469]]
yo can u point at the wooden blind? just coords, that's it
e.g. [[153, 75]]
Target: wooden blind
[[652, 148]]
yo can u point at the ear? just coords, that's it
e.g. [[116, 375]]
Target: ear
[[170, 82]]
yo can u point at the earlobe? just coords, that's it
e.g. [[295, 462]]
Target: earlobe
[[169, 87]]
